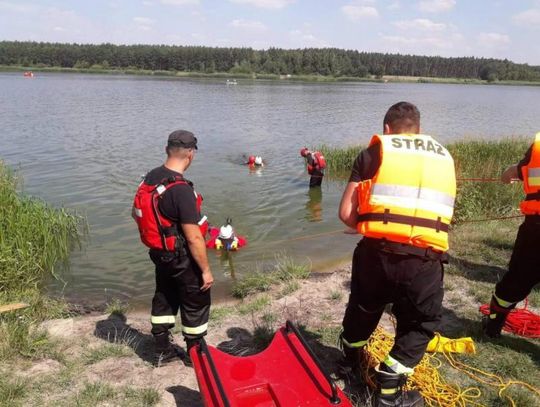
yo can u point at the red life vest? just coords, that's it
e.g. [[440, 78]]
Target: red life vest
[[157, 231], [320, 162]]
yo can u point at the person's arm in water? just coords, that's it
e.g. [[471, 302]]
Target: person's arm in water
[[348, 208], [197, 247]]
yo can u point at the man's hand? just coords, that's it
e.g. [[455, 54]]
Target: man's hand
[[197, 248], [510, 174], [208, 280]]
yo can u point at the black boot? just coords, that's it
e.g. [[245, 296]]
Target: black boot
[[190, 343], [391, 392], [494, 322], [349, 365], [166, 351]]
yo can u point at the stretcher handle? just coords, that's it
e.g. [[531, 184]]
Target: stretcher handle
[[203, 349], [334, 399]]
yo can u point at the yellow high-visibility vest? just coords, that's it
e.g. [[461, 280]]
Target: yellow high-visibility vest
[[411, 198], [531, 181]]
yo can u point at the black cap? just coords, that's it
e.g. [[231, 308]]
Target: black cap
[[182, 138]]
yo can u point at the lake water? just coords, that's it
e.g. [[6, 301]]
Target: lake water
[[83, 142]]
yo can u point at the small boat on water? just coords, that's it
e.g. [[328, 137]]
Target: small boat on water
[[231, 82], [28, 74]]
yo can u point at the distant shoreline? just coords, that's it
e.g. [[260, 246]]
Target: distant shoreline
[[260, 76]]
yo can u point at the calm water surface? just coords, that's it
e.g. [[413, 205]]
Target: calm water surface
[[83, 142]]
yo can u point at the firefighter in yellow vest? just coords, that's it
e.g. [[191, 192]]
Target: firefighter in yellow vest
[[400, 197], [524, 268]]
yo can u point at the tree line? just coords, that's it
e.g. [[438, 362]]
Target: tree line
[[308, 61]]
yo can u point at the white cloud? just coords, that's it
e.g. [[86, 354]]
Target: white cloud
[[147, 3], [143, 20], [248, 25], [436, 6], [446, 45], [423, 24], [493, 40], [357, 12], [268, 4], [394, 6], [179, 2], [18, 7], [528, 17], [305, 39], [59, 29]]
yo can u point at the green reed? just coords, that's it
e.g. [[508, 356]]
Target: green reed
[[473, 159], [34, 238]]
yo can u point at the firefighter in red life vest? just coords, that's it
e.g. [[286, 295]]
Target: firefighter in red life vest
[[168, 213], [316, 164], [255, 161], [524, 268], [400, 197]]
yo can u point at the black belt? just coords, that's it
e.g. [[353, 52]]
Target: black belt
[[401, 248], [407, 220], [532, 219], [533, 197]]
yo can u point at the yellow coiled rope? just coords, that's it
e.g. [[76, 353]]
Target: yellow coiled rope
[[426, 378]]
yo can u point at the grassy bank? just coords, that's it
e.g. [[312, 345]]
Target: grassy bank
[[284, 270], [473, 159], [259, 76], [34, 237]]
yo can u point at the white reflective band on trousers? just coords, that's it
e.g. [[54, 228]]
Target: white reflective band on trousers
[[358, 344], [195, 330], [413, 198], [162, 319], [397, 367]]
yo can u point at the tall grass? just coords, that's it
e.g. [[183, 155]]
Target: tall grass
[[339, 161], [285, 270], [473, 159], [34, 237]]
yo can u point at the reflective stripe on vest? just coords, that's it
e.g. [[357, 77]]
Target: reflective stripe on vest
[[195, 330], [533, 176], [411, 198], [531, 181]]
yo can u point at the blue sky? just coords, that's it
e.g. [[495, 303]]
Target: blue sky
[[490, 28]]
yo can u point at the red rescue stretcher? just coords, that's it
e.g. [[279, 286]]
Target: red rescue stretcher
[[286, 374]]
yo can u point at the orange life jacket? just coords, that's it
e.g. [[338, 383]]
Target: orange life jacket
[[410, 199], [531, 181]]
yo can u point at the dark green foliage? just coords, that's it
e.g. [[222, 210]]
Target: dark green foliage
[[273, 61]]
